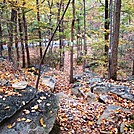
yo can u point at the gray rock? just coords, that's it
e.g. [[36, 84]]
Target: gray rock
[[91, 74], [91, 97], [94, 80], [110, 110], [100, 89], [104, 98], [9, 105], [61, 95], [85, 76], [77, 85], [40, 118], [77, 92], [122, 91], [49, 81], [131, 79]]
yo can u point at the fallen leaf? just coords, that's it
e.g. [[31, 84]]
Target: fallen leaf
[[42, 122], [35, 107], [23, 119], [28, 120], [11, 125]]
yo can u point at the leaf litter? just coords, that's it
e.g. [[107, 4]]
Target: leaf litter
[[76, 115]]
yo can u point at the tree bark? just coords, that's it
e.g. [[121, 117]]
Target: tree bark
[[106, 25], [0, 35], [85, 45], [133, 68], [39, 30], [72, 40], [60, 30], [114, 47], [78, 38], [16, 38], [10, 31], [26, 38], [21, 38]]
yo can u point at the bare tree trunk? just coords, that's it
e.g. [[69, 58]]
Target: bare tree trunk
[[78, 38], [10, 31], [114, 48], [133, 68], [111, 37], [16, 38], [106, 27], [26, 38], [21, 38], [85, 45], [39, 30], [72, 40], [50, 4], [0, 34], [63, 45], [60, 30]]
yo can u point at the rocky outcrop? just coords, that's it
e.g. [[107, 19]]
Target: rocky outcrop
[[37, 117]]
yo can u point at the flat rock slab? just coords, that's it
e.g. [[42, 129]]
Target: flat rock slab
[[85, 76], [9, 105], [111, 109], [37, 118], [122, 91]]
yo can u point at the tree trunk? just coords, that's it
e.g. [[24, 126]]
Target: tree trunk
[[21, 38], [106, 27], [10, 31], [60, 36], [85, 45], [16, 38], [72, 40], [114, 47], [50, 4], [78, 38], [26, 38], [39, 30], [133, 68], [63, 45], [0, 34]]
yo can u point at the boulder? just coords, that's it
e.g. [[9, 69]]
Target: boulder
[[100, 89], [94, 80], [20, 85], [9, 105], [111, 110], [104, 98], [77, 92], [61, 95], [36, 118], [131, 79], [91, 97], [122, 91], [49, 81]]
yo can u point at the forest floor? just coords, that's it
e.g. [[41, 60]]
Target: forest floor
[[77, 115]]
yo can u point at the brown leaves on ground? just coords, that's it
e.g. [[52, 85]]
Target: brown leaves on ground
[[76, 115]]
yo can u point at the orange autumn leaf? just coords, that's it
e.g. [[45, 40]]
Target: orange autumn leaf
[[42, 122]]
